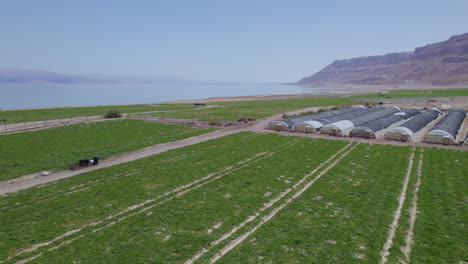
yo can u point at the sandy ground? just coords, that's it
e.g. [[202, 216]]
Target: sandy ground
[[241, 98]]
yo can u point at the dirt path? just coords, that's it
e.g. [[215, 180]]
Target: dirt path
[[151, 203], [36, 125], [16, 186], [263, 208], [396, 216], [274, 211], [32, 180], [43, 124], [409, 238]]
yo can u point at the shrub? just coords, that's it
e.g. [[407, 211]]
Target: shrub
[[113, 114]]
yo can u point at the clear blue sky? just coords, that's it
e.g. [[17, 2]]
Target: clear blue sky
[[245, 41]]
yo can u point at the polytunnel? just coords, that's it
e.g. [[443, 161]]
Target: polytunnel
[[408, 130], [313, 125], [374, 128], [286, 124], [446, 130], [343, 127]]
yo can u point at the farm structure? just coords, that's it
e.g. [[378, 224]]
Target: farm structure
[[287, 124], [344, 127], [375, 128], [446, 130], [310, 126], [409, 130]]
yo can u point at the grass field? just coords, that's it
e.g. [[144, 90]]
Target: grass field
[[230, 111], [246, 198], [440, 229], [416, 93], [57, 148], [20, 116]]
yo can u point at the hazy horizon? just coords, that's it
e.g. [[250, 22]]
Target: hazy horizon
[[242, 41]]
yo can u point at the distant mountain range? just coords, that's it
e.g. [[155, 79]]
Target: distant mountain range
[[26, 76], [438, 64], [18, 76]]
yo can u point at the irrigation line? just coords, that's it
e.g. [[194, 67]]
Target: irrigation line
[[265, 206], [234, 243], [179, 191], [409, 238], [401, 200]]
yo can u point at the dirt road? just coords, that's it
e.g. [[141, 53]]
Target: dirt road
[[258, 127], [15, 186]]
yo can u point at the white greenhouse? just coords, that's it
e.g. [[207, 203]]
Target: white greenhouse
[[446, 130], [344, 127], [409, 130]]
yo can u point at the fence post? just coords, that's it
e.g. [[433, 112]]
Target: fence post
[[4, 122]]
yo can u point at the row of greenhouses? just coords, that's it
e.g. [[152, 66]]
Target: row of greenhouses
[[378, 122]]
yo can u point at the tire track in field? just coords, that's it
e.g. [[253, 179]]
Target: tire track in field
[[396, 216], [409, 238], [51, 196], [177, 192], [263, 208], [274, 211]]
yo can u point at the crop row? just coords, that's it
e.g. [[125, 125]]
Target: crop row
[[440, 229], [342, 218], [57, 148], [190, 215], [73, 202], [248, 198]]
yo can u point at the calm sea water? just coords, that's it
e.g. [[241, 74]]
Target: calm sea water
[[48, 95]]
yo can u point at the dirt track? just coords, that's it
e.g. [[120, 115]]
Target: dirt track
[[16, 186], [258, 127]]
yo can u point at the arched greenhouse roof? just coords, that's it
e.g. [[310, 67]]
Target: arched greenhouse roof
[[420, 121], [386, 121], [450, 124], [298, 119]]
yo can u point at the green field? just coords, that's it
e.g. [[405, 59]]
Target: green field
[[416, 93], [227, 111], [28, 115], [273, 198], [57, 148], [231, 111]]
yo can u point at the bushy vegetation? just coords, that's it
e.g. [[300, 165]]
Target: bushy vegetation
[[57, 148], [113, 114]]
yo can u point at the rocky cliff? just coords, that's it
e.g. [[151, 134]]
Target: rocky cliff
[[438, 64]]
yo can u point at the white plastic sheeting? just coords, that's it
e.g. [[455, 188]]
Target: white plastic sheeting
[[344, 127]]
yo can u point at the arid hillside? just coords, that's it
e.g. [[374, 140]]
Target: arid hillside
[[438, 64]]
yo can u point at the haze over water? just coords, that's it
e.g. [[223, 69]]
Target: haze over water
[[28, 95]]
